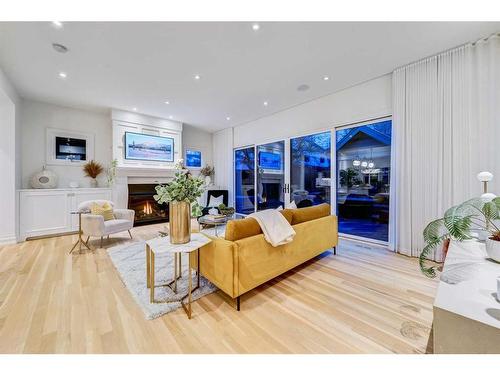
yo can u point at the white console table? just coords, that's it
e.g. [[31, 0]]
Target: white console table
[[466, 309], [45, 212]]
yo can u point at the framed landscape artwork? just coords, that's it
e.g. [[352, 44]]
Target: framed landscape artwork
[[193, 159], [148, 147]]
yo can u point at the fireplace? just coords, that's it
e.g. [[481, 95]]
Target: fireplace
[[147, 210]]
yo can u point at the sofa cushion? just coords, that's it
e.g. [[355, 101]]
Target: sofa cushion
[[243, 228], [301, 215]]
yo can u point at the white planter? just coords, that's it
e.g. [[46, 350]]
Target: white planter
[[208, 180], [493, 249]]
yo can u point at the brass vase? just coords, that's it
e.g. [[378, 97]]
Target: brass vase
[[179, 222]]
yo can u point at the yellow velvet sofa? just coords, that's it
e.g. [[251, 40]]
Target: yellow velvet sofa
[[244, 260]]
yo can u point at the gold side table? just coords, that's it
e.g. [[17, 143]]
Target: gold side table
[[80, 241], [161, 245]]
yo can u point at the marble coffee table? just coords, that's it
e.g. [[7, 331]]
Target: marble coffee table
[[160, 245]]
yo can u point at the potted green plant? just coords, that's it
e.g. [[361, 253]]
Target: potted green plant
[[181, 194], [457, 224]]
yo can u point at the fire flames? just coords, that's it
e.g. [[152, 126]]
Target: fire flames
[[148, 209]]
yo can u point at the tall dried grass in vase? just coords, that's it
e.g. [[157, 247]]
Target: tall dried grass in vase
[[92, 169]]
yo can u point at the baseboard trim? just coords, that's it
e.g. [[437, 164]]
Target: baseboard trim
[[8, 240]]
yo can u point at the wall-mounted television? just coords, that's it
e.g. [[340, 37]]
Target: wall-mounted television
[[148, 147], [270, 160], [71, 148]]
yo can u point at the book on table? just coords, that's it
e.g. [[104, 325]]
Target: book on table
[[215, 218]]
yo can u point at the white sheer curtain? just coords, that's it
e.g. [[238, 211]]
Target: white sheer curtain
[[446, 129]]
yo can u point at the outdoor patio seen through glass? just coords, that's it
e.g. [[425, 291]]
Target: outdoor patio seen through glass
[[363, 180], [310, 163], [244, 180]]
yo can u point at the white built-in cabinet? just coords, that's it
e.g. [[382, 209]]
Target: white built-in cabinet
[[48, 211]]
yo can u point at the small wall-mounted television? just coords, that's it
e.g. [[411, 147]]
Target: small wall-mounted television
[[270, 160], [148, 147], [71, 149]]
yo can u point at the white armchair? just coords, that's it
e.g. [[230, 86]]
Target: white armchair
[[95, 226]]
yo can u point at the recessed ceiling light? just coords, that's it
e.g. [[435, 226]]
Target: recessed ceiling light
[[134, 109], [62, 75], [167, 102], [57, 24], [228, 118], [59, 48], [197, 77], [170, 117], [266, 103], [326, 78], [255, 26]]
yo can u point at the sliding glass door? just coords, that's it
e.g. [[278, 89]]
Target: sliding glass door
[[310, 169], [363, 156], [244, 180], [271, 175]]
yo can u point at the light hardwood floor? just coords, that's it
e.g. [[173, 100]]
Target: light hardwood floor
[[363, 300]]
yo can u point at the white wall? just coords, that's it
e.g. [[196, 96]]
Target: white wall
[[368, 100], [36, 117], [9, 106], [223, 160], [197, 139]]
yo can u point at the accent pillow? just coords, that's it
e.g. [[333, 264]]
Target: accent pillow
[[106, 211], [216, 201]]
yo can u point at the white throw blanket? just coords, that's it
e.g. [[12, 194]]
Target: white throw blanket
[[277, 230]]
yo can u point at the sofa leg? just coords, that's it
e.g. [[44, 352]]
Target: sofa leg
[[238, 303], [101, 242], [130, 234], [335, 250]]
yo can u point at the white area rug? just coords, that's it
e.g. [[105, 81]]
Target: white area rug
[[130, 261]]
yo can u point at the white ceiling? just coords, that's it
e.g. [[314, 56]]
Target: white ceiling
[[137, 64]]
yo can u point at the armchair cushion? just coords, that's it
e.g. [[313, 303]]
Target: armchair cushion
[[125, 214], [118, 225], [105, 210]]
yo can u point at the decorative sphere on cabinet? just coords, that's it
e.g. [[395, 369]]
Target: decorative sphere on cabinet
[[45, 179]]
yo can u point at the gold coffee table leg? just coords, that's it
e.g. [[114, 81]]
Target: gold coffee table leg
[[148, 266], [198, 268], [152, 278], [175, 272]]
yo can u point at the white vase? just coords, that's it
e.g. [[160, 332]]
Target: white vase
[[208, 180], [46, 179], [493, 249], [93, 183]]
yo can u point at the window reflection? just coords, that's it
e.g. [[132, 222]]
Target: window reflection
[[310, 169], [363, 180], [271, 175], [244, 171]]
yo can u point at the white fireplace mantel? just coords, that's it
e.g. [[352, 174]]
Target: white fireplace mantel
[[145, 172]]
